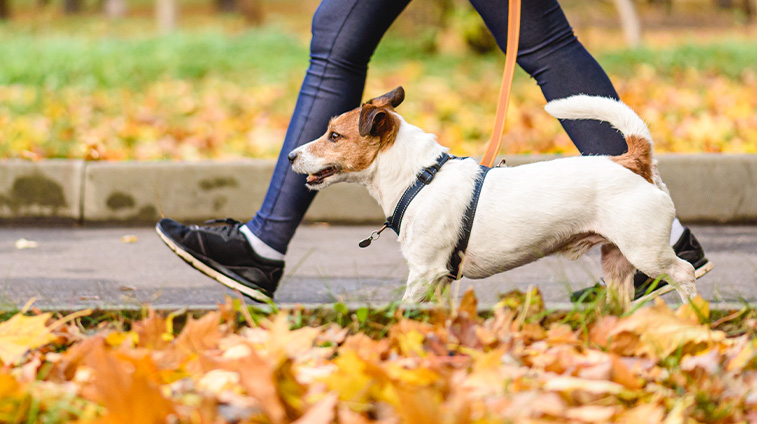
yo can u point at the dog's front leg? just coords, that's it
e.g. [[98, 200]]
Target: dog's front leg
[[421, 285]]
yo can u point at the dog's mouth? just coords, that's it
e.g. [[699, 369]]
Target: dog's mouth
[[318, 177]]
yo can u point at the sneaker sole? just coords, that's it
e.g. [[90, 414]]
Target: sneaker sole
[[210, 272], [698, 273]]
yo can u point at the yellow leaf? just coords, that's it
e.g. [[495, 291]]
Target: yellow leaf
[[695, 311], [117, 338], [22, 333]]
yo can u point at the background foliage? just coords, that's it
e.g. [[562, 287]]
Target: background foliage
[[82, 86]]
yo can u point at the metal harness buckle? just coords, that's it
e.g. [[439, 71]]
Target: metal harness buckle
[[427, 175]]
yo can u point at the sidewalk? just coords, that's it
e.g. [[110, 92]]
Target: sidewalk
[[92, 267]]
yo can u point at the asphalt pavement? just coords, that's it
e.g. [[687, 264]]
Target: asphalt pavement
[[72, 268]]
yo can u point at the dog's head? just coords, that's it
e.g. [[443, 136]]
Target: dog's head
[[351, 143]]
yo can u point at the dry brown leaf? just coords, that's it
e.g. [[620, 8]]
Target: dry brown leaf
[[568, 384], [201, 334], [622, 375], [322, 412], [469, 303], [660, 332], [257, 378], [152, 331], [127, 392], [591, 413]]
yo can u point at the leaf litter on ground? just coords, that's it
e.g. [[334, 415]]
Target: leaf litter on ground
[[516, 363]]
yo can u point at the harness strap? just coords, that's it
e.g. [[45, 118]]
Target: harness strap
[[470, 213], [423, 178]]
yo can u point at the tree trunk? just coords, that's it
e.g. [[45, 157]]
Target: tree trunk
[[226, 6], [166, 14], [748, 9], [71, 7], [5, 9], [115, 9], [629, 20], [252, 10]]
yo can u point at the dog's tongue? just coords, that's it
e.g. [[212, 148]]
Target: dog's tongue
[[312, 178]]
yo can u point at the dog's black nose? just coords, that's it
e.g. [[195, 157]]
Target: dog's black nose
[[292, 156]]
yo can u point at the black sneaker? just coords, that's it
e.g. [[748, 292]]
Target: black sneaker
[[687, 248], [223, 253]]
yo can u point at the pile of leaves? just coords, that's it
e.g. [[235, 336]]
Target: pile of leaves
[[518, 363]]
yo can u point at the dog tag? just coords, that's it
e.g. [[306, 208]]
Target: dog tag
[[374, 236]]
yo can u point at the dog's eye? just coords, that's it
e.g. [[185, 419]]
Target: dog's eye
[[334, 136]]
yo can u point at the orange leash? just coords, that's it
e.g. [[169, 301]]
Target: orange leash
[[513, 35]]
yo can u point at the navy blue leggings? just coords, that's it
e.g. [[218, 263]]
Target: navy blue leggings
[[345, 35]]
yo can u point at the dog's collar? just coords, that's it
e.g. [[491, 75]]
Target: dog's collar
[[423, 179]]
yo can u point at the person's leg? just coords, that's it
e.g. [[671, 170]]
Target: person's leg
[[345, 35], [551, 53], [249, 257]]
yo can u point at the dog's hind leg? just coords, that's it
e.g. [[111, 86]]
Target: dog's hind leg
[[618, 274], [676, 271]]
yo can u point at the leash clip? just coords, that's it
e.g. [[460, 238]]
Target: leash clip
[[374, 236]]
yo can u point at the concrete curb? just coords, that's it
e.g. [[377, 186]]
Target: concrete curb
[[711, 188]]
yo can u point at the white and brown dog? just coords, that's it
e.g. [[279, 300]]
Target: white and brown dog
[[524, 213]]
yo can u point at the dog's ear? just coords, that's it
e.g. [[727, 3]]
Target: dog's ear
[[393, 98], [371, 119], [375, 121]]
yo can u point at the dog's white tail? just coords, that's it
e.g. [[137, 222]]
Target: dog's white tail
[[639, 157], [613, 111]]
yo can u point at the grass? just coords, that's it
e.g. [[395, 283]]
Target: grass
[[272, 55], [65, 61]]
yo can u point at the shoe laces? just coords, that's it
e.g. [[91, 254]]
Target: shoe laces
[[229, 226]]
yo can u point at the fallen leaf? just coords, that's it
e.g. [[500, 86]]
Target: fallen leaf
[[21, 333], [567, 384], [322, 412], [129, 238], [126, 390], [26, 244], [591, 413]]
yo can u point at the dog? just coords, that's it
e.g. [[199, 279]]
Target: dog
[[524, 213]]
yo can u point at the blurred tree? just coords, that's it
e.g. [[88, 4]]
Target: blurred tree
[[252, 10], [5, 9], [472, 29], [629, 21], [166, 13], [71, 7], [115, 9], [745, 6], [226, 6]]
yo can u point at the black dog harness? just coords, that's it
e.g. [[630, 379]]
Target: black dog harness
[[424, 178]]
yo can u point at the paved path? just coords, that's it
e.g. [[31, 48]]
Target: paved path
[[77, 267]]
